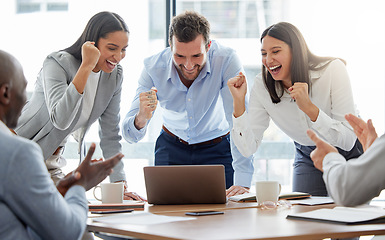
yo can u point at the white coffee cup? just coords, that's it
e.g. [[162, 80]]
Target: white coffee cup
[[111, 192], [267, 191]]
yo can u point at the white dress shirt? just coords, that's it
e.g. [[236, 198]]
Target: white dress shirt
[[330, 92]]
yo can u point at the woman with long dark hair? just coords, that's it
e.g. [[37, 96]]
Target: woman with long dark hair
[[297, 90], [75, 87]]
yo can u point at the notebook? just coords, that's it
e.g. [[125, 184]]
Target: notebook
[[185, 184], [127, 204], [344, 215], [250, 196]]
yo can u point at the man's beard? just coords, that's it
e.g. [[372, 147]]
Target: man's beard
[[182, 71]]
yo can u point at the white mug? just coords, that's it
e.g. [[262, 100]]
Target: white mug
[[267, 191], [111, 192]]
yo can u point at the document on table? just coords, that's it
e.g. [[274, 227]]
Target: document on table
[[140, 218], [313, 201], [345, 215], [127, 204], [250, 196]]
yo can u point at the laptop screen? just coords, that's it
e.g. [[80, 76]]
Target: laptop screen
[[185, 184]]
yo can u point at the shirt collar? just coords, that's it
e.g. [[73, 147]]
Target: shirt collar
[[314, 75], [207, 66], [4, 128], [171, 68]]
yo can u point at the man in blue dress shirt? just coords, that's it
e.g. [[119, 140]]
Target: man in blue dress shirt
[[189, 79]]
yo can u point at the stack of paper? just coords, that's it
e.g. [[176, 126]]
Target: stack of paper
[[135, 205], [250, 197], [345, 215]]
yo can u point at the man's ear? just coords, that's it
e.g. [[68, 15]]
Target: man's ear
[[5, 93], [208, 46]]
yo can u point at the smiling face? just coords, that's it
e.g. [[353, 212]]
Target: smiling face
[[189, 58], [276, 57], [112, 50]]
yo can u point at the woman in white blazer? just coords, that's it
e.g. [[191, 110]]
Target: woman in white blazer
[[75, 87]]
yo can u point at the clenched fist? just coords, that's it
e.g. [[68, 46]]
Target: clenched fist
[[148, 102], [90, 54]]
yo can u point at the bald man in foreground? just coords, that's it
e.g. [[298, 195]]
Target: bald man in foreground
[[356, 181], [31, 206]]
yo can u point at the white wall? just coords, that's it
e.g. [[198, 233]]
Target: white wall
[[354, 31]]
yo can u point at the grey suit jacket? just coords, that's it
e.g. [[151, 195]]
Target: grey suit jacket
[[30, 206], [52, 112]]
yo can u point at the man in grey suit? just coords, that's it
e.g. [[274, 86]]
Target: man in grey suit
[[357, 181], [31, 207]]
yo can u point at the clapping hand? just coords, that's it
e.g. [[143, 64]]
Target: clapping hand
[[93, 172], [366, 133], [322, 149], [68, 181]]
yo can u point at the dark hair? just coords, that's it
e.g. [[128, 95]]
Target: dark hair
[[97, 27], [187, 26], [301, 62]]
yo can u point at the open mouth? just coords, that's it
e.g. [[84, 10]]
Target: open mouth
[[190, 71], [111, 64], [275, 69]]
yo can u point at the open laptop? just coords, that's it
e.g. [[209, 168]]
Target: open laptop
[[185, 184]]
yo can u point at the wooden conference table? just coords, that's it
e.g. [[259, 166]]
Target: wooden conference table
[[239, 221]]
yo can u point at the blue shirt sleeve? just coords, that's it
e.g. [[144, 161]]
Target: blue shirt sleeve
[[243, 166], [130, 133]]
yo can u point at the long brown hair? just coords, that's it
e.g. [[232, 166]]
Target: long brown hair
[[302, 60]]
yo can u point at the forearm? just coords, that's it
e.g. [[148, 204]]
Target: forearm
[[239, 107], [118, 173], [312, 112], [81, 77], [243, 137], [337, 133], [61, 97], [133, 131], [140, 121], [243, 167], [109, 134], [76, 199], [64, 112], [129, 132], [358, 180]]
